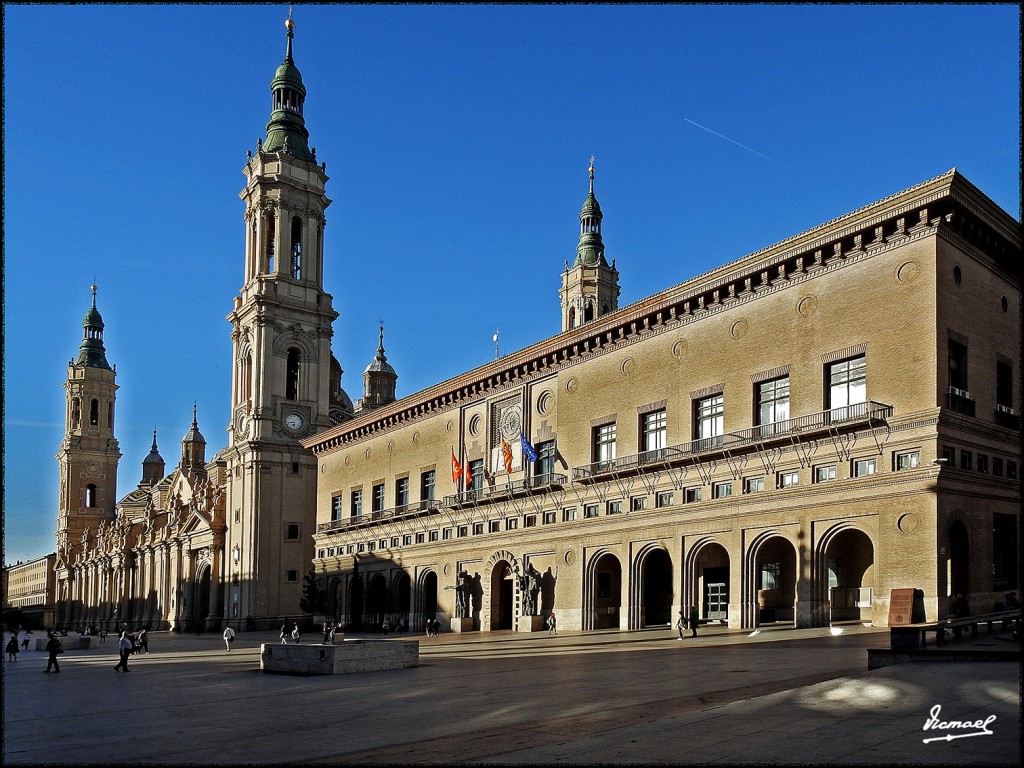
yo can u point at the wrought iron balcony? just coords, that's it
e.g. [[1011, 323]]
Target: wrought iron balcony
[[395, 513], [960, 401], [861, 414], [1005, 417], [515, 488]]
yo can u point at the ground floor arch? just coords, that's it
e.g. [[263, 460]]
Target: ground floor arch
[[770, 580], [603, 592], [845, 575]]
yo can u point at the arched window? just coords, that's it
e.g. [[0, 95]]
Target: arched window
[[110, 414], [271, 236], [297, 248], [76, 413], [588, 312], [244, 381], [94, 412], [90, 496], [572, 317], [291, 385]]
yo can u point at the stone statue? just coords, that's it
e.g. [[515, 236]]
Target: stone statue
[[463, 588], [530, 584]]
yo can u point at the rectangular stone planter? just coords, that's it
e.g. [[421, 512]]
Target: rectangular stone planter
[[339, 659], [462, 625], [532, 624]]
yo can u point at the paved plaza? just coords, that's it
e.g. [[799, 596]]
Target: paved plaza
[[781, 696]]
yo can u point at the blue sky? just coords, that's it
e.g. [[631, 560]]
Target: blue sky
[[456, 139]]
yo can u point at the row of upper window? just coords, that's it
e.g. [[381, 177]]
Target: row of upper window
[[980, 462], [860, 467], [959, 383], [94, 413]]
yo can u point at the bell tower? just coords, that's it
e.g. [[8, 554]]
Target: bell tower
[[590, 288], [281, 328], [89, 453]]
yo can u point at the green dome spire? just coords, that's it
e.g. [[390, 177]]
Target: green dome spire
[[590, 250], [286, 131], [91, 352]]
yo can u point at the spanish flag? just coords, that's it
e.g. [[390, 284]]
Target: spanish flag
[[456, 468], [506, 455]]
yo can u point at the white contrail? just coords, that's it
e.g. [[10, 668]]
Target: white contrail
[[741, 146]]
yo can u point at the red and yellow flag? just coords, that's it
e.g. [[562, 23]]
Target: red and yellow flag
[[456, 468], [506, 454]]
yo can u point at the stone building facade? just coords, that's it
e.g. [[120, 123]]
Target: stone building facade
[[30, 589], [785, 438]]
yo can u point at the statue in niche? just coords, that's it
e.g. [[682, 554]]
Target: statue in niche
[[529, 583]]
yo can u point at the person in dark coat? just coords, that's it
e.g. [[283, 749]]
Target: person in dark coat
[[53, 647], [694, 620]]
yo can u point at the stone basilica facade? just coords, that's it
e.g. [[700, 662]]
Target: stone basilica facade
[[785, 438]]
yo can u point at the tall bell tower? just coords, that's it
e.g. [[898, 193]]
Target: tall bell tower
[[282, 365], [89, 453], [590, 287]]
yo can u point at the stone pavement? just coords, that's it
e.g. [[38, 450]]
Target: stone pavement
[[781, 696]]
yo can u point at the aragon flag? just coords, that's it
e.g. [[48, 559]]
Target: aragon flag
[[506, 455]]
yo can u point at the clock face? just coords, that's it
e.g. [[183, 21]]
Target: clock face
[[294, 422], [511, 422]]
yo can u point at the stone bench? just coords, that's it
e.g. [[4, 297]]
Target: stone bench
[[341, 658], [916, 635], [70, 643]]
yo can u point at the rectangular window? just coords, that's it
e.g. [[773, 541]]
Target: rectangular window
[[494, 526], [549, 516], [983, 463], [569, 513], [753, 485], [614, 507], [427, 485], [1011, 470], [291, 576], [295, 467], [432, 535], [949, 454], [337, 504], [957, 368], [772, 403], [357, 503], [908, 460], [590, 510], [604, 443], [362, 547], [371, 545], [544, 467], [478, 529], [693, 494], [721, 490], [475, 480], [770, 575], [825, 473], [351, 548], [446, 534], [291, 531], [710, 417], [394, 542], [966, 460], [1004, 386], [463, 531], [530, 521], [321, 554], [997, 466], [638, 503], [847, 382], [511, 523], [330, 552], [402, 492], [419, 537], [789, 479], [378, 498], [653, 431], [865, 467], [663, 499]]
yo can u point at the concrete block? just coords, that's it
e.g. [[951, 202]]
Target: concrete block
[[341, 658]]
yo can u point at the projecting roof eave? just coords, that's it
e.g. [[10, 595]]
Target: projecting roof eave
[[559, 348]]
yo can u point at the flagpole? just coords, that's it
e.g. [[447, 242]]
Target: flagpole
[[495, 340]]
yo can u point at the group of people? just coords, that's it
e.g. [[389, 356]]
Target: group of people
[[290, 629], [691, 622], [432, 627], [331, 630]]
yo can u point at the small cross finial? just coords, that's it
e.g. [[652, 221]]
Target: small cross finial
[[592, 158]]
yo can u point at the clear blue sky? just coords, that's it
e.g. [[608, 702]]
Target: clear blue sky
[[456, 139]]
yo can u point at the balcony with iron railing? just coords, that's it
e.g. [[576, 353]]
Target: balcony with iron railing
[[401, 512], [512, 489], [851, 416]]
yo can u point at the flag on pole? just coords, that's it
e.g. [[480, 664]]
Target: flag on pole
[[456, 468], [506, 455], [528, 451]]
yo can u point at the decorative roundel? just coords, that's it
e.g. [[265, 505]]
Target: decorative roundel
[[908, 523], [447, 569], [544, 402], [571, 385], [570, 557], [511, 422], [391, 446], [366, 454], [474, 425], [347, 459], [679, 349], [907, 272], [807, 306], [628, 366], [448, 426], [416, 437], [739, 329]]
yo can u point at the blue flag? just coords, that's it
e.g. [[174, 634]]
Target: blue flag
[[528, 452]]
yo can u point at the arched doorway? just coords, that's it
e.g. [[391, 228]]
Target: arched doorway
[[429, 606], [355, 603], [606, 591], [378, 600], [771, 580], [400, 590], [847, 575], [201, 597], [335, 600], [708, 582], [656, 589], [959, 560], [502, 590]]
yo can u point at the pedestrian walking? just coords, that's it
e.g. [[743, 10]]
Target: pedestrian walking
[[124, 649], [552, 624], [25, 639], [229, 637], [385, 626], [12, 648], [694, 620], [296, 633], [284, 633], [144, 641], [681, 625], [103, 633], [53, 648], [327, 634]]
